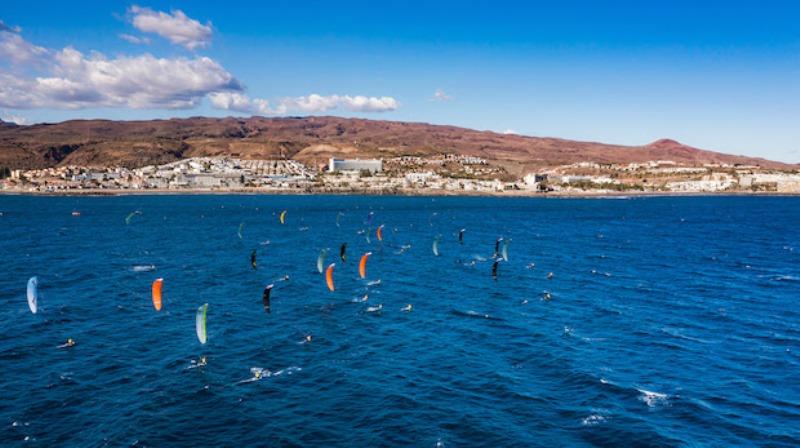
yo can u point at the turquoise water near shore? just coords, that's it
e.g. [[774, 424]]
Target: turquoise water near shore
[[671, 322]]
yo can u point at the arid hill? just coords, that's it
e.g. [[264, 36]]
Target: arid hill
[[312, 140]]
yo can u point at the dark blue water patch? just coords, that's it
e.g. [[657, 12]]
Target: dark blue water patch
[[669, 322]]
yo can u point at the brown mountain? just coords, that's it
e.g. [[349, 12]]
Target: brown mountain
[[312, 140]]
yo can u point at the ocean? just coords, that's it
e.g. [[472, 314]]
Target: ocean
[[667, 321]]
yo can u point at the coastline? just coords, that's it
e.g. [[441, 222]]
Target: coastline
[[398, 193]]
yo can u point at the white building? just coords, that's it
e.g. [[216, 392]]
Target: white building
[[371, 165], [712, 182]]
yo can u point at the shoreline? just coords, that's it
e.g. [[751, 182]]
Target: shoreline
[[400, 193]]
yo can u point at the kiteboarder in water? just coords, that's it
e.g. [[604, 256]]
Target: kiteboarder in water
[[253, 262]]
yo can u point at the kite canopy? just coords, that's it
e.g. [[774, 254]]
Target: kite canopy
[[379, 232], [283, 217], [157, 285], [131, 215], [33, 294], [329, 276], [265, 297], [362, 266], [497, 247], [321, 260], [200, 323], [435, 246]]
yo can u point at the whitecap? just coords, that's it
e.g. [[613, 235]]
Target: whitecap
[[287, 371], [143, 267], [785, 278], [652, 399], [594, 419], [676, 334]]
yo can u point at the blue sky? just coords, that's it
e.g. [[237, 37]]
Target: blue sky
[[721, 75]]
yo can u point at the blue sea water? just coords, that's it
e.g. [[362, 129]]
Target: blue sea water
[[671, 322]]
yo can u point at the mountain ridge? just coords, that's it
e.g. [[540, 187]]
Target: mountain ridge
[[312, 140]]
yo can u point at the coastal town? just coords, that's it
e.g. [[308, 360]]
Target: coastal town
[[444, 174]]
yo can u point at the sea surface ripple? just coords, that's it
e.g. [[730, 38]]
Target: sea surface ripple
[[669, 322]]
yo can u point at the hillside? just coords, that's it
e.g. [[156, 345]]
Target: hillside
[[312, 140]]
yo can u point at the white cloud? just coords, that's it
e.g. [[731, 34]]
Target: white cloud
[[75, 81], [441, 95], [10, 29], [240, 103], [176, 27], [359, 103], [69, 79], [313, 103], [510, 132], [11, 118], [15, 49], [138, 40], [369, 104]]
